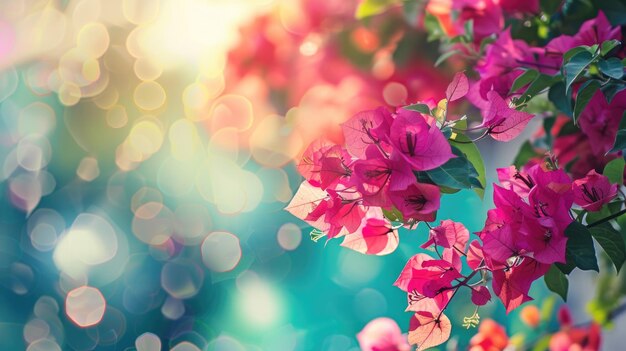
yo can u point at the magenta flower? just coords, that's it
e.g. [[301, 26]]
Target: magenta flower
[[593, 191], [417, 201], [375, 236], [600, 121], [504, 123], [422, 145], [382, 334], [512, 285]]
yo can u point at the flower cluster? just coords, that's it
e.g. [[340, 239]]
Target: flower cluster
[[348, 187], [392, 167]]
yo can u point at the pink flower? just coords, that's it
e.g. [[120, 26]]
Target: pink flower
[[418, 201], [594, 31], [593, 191], [486, 15], [375, 236], [423, 146], [504, 123], [504, 55], [426, 280], [453, 238], [512, 285], [382, 334], [600, 121], [575, 338]]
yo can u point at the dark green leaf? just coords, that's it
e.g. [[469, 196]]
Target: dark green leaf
[[611, 67], [611, 89], [574, 51], [560, 98], [548, 123], [421, 108], [575, 67], [557, 282], [457, 173], [614, 170], [580, 250], [473, 155], [524, 79], [550, 6], [611, 242], [608, 45], [620, 141], [525, 153], [540, 83], [585, 93]]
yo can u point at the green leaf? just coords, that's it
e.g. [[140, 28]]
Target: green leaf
[[524, 79], [611, 89], [574, 51], [548, 123], [540, 83], [433, 27], [614, 170], [620, 141], [393, 215], [580, 251], [585, 93], [525, 153], [611, 242], [550, 6], [576, 66], [421, 108], [369, 8], [457, 173], [608, 45], [611, 67], [557, 282], [445, 56], [561, 98], [473, 155]]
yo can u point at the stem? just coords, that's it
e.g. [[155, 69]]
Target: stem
[[606, 219], [456, 289]]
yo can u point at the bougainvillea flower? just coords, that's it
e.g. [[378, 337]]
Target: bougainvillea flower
[[339, 213], [504, 55], [544, 239], [593, 31], [491, 336], [334, 166], [382, 334], [427, 282], [504, 123], [600, 121], [360, 130], [376, 236], [518, 181], [486, 15], [575, 338], [375, 176], [417, 200], [516, 6], [453, 238], [423, 146], [593, 191], [480, 295], [428, 329], [511, 285]]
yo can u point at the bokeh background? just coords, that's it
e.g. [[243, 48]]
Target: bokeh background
[[146, 156]]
